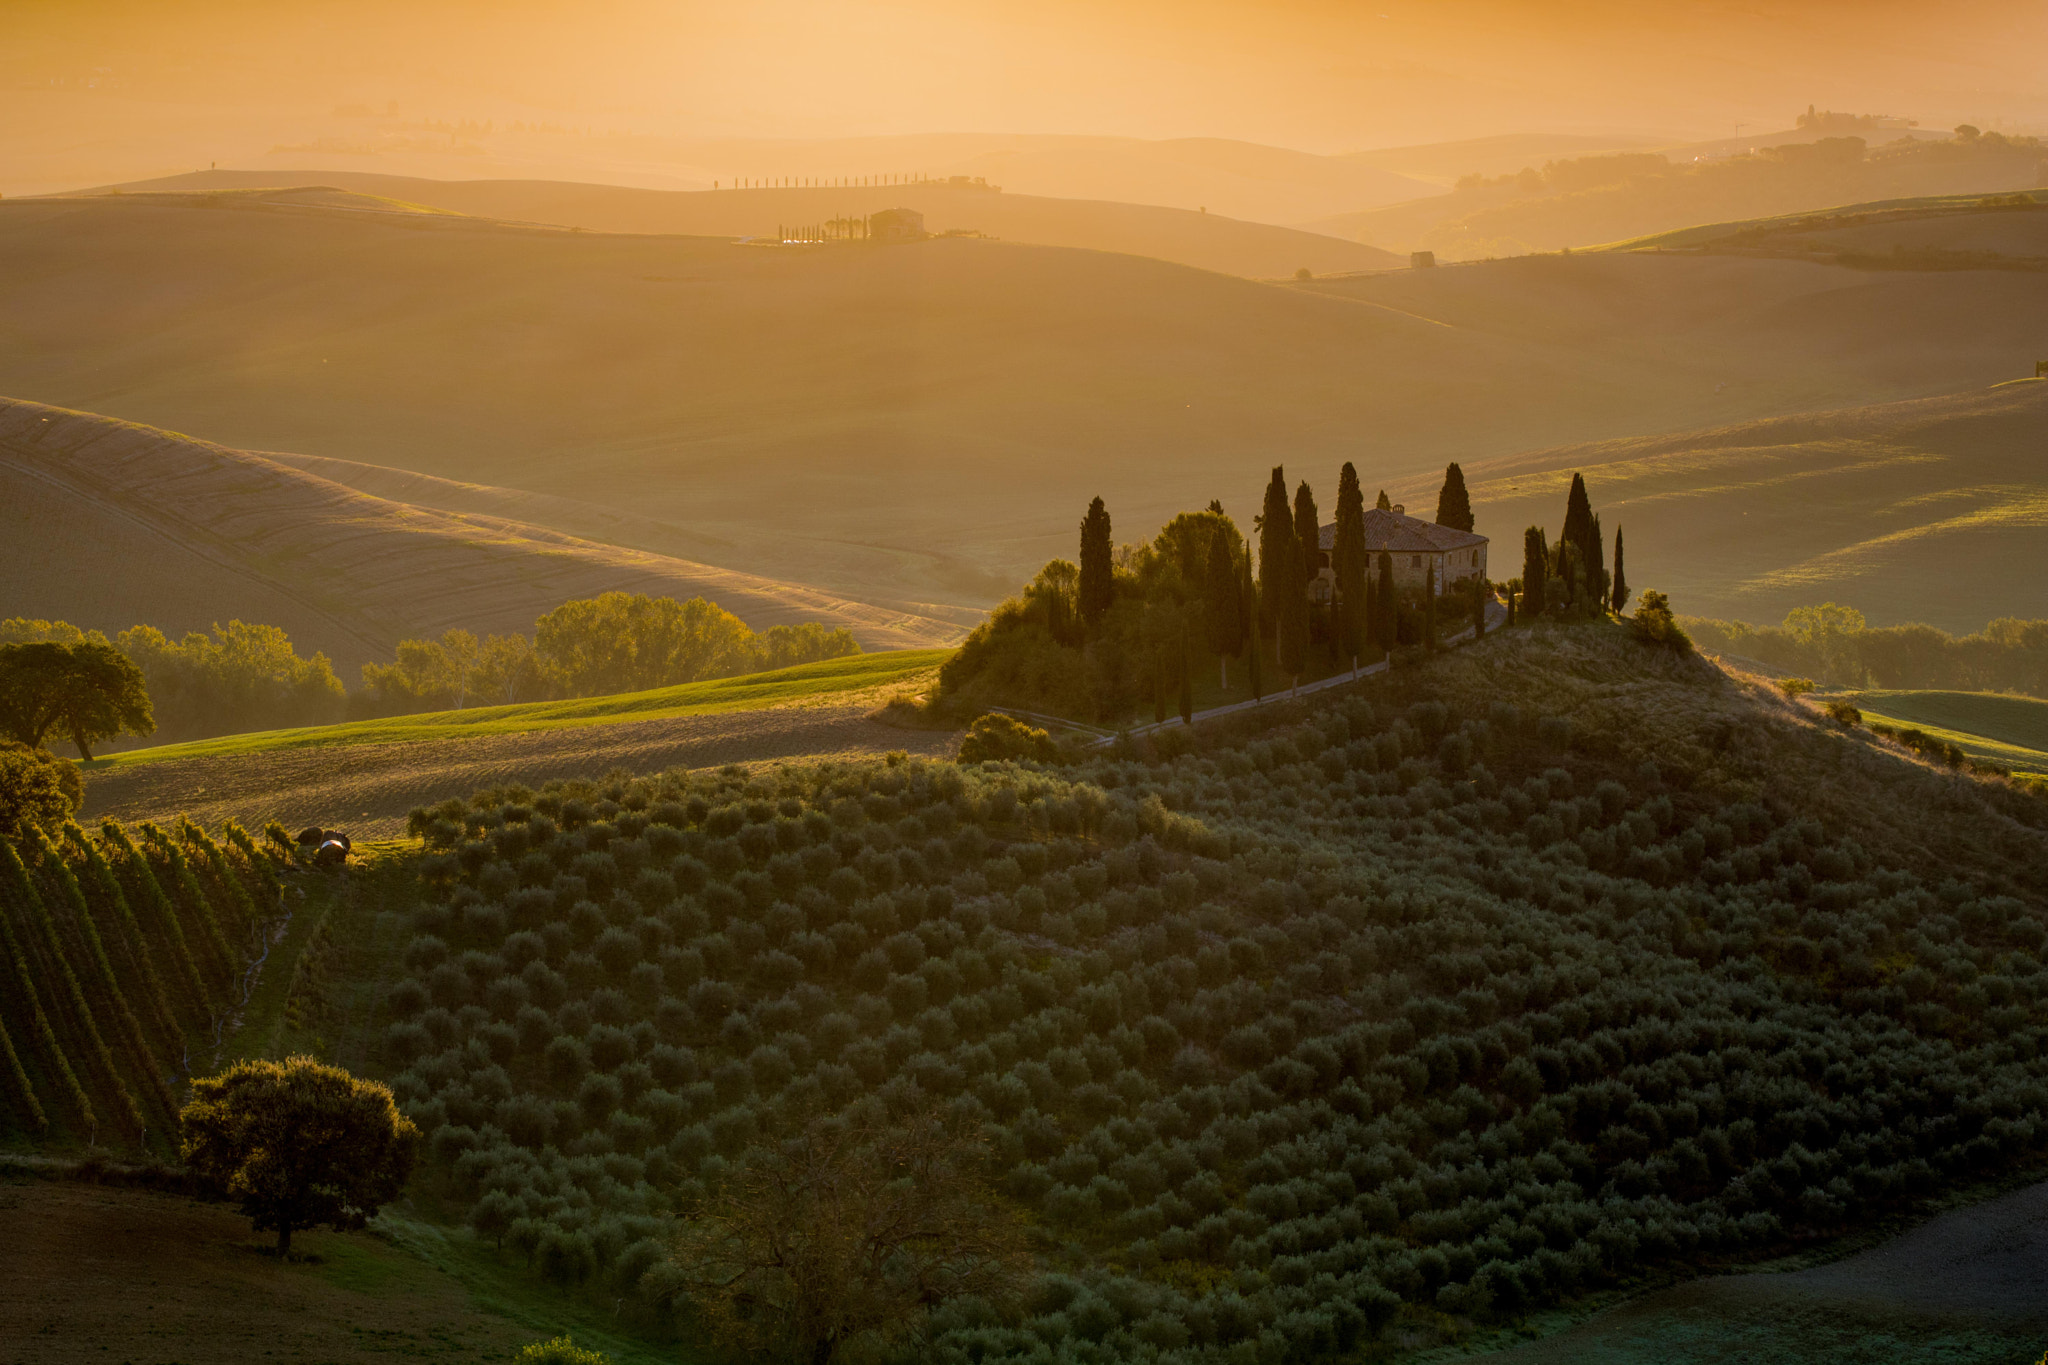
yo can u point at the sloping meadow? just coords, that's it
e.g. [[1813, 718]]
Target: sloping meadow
[[1406, 1008]]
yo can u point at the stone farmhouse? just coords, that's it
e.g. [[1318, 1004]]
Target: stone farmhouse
[[1417, 546]]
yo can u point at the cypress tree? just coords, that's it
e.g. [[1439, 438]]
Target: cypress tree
[[1292, 611], [1254, 660], [1577, 533], [1480, 593], [1308, 532], [1348, 563], [1535, 569], [1097, 589], [1596, 568], [1187, 678], [1385, 504], [1222, 604], [1388, 604], [1276, 529], [1429, 604], [1619, 603], [1453, 505]]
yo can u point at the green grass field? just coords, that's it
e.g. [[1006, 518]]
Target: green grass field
[[854, 673], [2012, 731]]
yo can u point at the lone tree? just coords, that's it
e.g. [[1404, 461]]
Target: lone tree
[[1222, 606], [1097, 588], [1453, 505], [1619, 602], [300, 1144], [1275, 525], [849, 1234], [1348, 564], [1535, 569], [86, 692]]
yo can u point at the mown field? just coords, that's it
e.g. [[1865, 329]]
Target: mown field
[[2011, 731]]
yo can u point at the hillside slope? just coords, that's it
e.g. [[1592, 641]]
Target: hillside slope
[[1933, 510], [1207, 241], [180, 533], [917, 424]]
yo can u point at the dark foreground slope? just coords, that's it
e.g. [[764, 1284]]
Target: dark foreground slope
[[110, 524], [1934, 510], [1552, 964]]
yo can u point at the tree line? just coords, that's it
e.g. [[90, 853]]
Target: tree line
[[1836, 645], [61, 682]]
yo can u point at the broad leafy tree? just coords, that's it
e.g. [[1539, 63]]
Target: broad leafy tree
[[85, 692], [37, 790], [1222, 604], [298, 1144], [848, 1236]]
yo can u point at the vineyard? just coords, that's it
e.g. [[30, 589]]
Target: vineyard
[[1509, 980], [126, 955]]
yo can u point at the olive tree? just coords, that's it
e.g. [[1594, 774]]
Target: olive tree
[[848, 1233]]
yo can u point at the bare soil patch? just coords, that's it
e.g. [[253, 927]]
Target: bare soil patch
[[369, 788], [91, 1273]]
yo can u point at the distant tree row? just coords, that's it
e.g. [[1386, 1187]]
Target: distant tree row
[[592, 647], [1834, 644], [59, 682], [1133, 626]]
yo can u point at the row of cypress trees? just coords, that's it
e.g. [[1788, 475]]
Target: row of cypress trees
[[118, 954], [1572, 575]]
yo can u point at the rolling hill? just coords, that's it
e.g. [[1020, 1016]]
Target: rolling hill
[[1586, 206], [918, 424], [1207, 241], [1932, 510], [1991, 726], [179, 533]]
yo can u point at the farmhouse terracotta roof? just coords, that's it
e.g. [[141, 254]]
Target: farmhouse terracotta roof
[[1403, 534]]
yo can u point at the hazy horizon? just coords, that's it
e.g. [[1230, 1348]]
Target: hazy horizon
[[112, 90]]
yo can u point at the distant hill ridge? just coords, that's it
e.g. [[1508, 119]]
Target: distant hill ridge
[[182, 532], [1208, 241]]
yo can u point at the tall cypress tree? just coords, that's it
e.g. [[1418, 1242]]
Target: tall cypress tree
[[1385, 504], [1596, 568], [1453, 506], [1222, 610], [1291, 613], [1429, 604], [1253, 660], [1577, 533], [1276, 530], [1097, 589], [1348, 564], [1308, 531], [1535, 569], [1387, 604], [1619, 602]]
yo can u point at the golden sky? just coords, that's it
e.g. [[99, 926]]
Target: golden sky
[[1315, 74]]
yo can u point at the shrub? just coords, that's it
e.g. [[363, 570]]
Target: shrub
[[994, 737], [1795, 688], [560, 1351], [1844, 713]]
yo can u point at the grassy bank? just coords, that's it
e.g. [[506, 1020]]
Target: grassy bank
[[2010, 731], [831, 680]]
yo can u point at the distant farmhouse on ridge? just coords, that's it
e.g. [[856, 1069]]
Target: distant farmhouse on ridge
[[1417, 546]]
